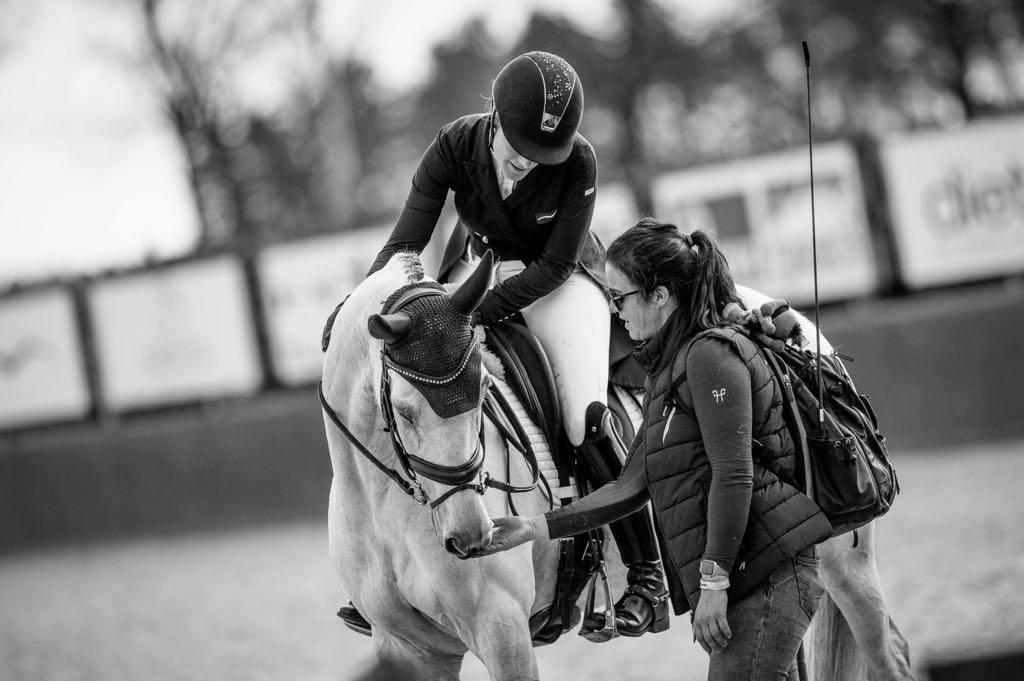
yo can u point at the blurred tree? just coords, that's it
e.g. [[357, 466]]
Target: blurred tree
[[624, 79], [268, 147], [393, 130], [384, 136], [463, 69], [879, 66], [663, 90], [195, 116]]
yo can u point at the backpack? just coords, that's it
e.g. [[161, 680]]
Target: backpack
[[842, 461]]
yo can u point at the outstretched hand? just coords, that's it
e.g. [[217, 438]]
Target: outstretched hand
[[508, 533]]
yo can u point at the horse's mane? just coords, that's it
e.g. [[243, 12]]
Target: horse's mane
[[491, 362], [413, 266]]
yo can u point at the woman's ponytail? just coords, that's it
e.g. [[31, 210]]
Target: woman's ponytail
[[712, 287]]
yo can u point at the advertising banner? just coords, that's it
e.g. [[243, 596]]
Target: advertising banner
[[760, 212], [301, 284], [178, 334], [957, 202], [42, 372]]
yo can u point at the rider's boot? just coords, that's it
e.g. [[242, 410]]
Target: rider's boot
[[645, 604], [354, 620]]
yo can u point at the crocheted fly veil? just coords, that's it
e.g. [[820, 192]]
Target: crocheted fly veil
[[439, 355]]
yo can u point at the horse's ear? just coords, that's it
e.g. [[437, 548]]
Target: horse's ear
[[468, 296], [389, 327]]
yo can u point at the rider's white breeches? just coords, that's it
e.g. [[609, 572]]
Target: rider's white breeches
[[572, 324]]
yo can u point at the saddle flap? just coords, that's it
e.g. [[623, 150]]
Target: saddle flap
[[623, 369], [528, 372]]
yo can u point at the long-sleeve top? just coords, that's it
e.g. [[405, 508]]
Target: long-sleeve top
[[720, 385], [544, 222]]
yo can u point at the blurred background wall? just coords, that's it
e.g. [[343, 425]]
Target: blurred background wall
[[165, 289]]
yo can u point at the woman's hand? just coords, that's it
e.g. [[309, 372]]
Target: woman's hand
[[509, 533], [710, 627]]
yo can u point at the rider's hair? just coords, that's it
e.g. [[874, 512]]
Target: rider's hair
[[691, 266]]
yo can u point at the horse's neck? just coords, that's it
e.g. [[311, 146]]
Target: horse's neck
[[349, 384], [347, 461]]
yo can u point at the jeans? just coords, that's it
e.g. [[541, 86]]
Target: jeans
[[769, 623]]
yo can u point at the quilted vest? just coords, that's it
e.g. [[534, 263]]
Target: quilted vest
[[782, 521]]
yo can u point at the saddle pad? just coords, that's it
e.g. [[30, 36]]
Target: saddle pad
[[627, 405], [517, 413]]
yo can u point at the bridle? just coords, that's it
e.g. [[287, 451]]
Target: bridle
[[468, 475]]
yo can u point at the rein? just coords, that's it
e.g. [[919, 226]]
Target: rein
[[415, 491], [457, 477]]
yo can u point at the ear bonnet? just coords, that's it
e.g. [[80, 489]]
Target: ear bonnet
[[438, 353]]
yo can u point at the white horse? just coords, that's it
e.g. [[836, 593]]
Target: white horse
[[399, 530], [401, 560]]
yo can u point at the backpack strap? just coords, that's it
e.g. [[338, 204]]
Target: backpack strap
[[791, 413], [672, 399], [792, 417]]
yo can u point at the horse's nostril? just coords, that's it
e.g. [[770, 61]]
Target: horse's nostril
[[452, 546]]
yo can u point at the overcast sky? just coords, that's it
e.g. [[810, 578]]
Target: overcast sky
[[91, 175]]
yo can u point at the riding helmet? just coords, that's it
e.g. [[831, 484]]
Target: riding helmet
[[539, 101]]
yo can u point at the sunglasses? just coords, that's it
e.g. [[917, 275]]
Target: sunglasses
[[617, 300]]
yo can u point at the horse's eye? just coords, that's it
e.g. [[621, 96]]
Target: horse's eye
[[406, 414]]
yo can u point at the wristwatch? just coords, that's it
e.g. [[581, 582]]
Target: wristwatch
[[709, 568]]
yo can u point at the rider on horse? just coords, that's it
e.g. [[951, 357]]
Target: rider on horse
[[525, 183]]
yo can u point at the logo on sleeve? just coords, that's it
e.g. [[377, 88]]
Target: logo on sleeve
[[719, 395]]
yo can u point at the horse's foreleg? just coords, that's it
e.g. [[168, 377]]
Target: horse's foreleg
[[501, 639], [850, 575], [429, 665]]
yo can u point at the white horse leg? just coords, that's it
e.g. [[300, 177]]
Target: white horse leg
[[853, 616], [430, 665], [501, 639]]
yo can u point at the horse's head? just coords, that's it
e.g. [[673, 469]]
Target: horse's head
[[431, 384]]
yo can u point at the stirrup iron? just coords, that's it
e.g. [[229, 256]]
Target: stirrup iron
[[599, 625]]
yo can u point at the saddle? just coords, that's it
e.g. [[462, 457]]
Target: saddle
[[528, 400], [529, 374]]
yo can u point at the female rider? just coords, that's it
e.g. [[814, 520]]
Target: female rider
[[525, 182], [739, 541]]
